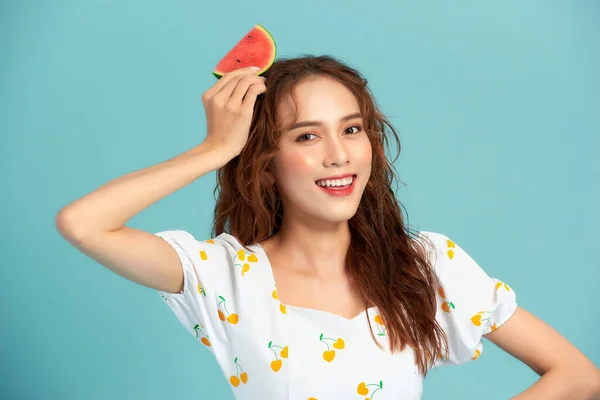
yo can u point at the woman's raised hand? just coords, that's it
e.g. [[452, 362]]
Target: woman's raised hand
[[229, 105]]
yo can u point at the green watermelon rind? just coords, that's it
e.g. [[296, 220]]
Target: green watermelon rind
[[266, 68]]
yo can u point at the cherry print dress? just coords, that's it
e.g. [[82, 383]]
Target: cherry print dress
[[273, 351]]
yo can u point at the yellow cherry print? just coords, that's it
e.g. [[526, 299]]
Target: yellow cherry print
[[204, 338], [282, 306], [235, 379], [329, 354], [380, 328], [241, 255], [277, 363], [284, 353], [363, 389], [232, 318], [477, 318], [447, 305], [451, 245], [339, 344]]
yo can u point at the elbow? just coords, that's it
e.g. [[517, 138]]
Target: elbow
[[594, 384], [580, 382], [66, 225], [62, 222], [589, 384]]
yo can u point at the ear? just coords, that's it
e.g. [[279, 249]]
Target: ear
[[269, 175]]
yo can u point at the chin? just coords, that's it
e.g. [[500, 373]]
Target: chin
[[333, 216]]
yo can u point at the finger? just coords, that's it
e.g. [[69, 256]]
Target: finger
[[242, 88], [216, 88], [251, 95], [223, 96]]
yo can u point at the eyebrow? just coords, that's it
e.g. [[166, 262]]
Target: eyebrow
[[318, 123]]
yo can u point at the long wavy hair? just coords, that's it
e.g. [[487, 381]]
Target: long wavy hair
[[388, 268]]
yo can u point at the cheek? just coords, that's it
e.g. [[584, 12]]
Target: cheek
[[364, 153], [294, 165]]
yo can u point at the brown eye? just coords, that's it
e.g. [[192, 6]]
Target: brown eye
[[358, 129], [302, 136]]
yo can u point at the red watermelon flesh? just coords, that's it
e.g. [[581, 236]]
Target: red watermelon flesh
[[256, 48]]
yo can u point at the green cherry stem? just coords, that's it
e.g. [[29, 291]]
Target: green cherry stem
[[238, 365], [270, 346], [197, 328], [374, 391], [225, 307]]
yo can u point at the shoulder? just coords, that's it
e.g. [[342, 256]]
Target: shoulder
[[436, 245], [216, 256], [222, 245]]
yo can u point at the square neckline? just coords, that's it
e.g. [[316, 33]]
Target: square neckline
[[317, 311]]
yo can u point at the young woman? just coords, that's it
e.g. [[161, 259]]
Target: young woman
[[311, 286]]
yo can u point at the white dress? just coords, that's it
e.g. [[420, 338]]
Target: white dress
[[271, 351]]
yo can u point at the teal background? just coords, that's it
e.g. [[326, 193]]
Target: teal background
[[497, 107]]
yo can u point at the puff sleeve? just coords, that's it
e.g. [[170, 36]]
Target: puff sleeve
[[202, 304], [470, 303]]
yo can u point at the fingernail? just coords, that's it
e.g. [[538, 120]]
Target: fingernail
[[255, 68]]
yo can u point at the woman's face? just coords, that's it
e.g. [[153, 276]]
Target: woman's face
[[328, 140]]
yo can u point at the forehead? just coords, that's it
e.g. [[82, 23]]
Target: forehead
[[317, 98]]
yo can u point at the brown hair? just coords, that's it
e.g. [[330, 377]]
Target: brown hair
[[388, 267]]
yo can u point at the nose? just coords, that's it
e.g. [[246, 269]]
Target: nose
[[335, 152]]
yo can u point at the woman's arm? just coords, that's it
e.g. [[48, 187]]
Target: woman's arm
[[110, 206], [95, 223], [565, 372]]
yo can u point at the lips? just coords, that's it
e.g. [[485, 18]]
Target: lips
[[346, 176], [339, 191]]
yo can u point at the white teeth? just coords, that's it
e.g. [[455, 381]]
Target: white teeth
[[336, 182]]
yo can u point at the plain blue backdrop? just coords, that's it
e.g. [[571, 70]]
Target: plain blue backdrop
[[497, 106]]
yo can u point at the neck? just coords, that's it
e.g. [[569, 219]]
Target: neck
[[320, 251]]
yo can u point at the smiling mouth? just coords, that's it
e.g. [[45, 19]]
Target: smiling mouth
[[334, 187]]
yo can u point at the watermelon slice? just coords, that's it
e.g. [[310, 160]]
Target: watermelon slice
[[256, 48]]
